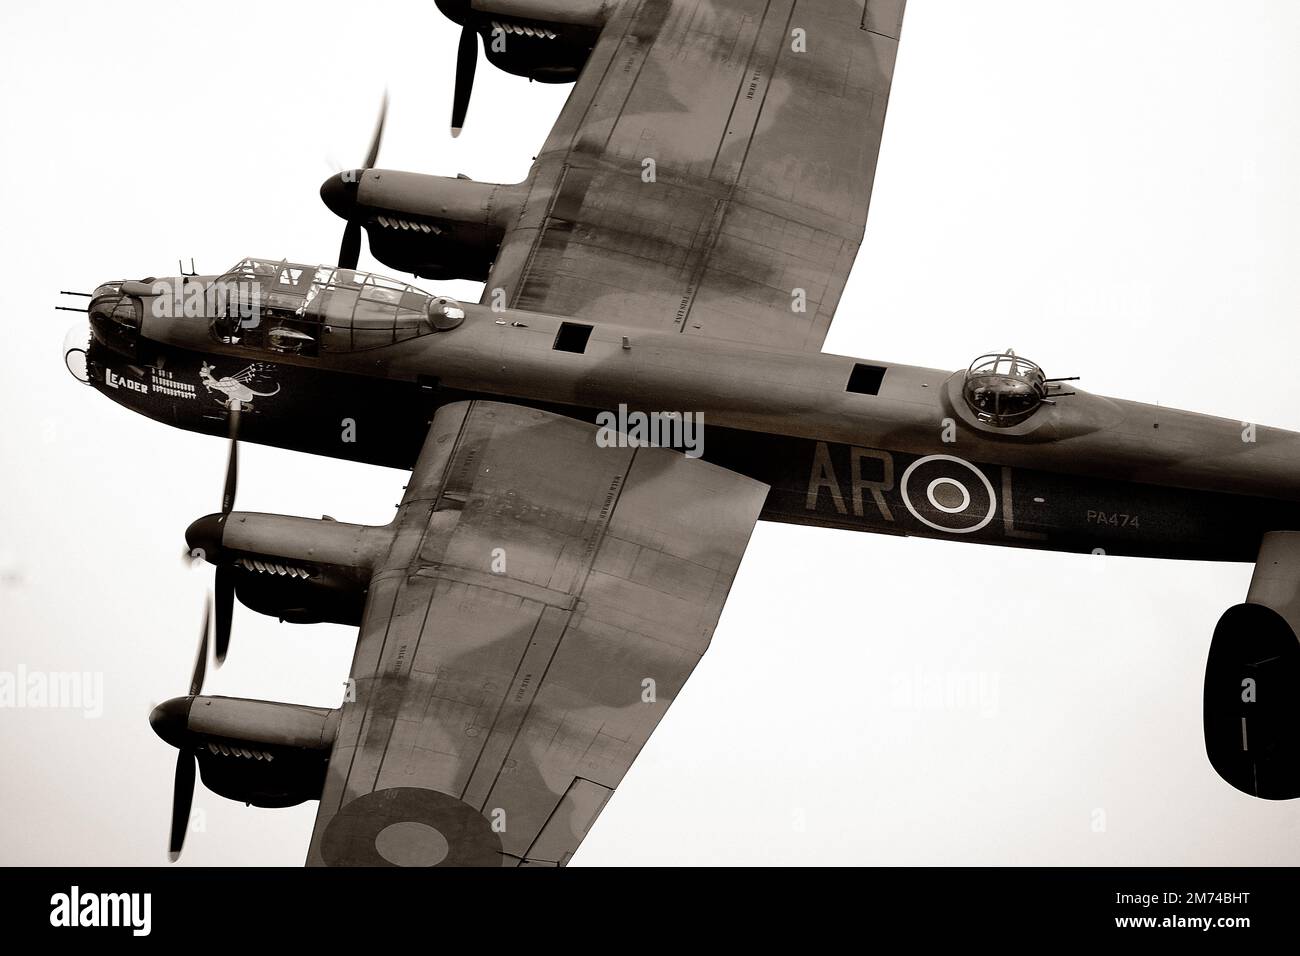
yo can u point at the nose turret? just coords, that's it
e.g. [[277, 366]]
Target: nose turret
[[115, 317]]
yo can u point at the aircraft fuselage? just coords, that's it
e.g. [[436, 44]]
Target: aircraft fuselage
[[901, 455]]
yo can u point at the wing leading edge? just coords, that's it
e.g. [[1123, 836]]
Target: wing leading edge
[[759, 123], [543, 602]]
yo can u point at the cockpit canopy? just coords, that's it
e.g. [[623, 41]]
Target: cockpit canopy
[[301, 309], [1004, 389]]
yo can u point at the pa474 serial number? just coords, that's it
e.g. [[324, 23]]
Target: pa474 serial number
[[1113, 518]]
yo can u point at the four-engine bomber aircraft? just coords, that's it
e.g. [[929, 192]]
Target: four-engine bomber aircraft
[[557, 565]]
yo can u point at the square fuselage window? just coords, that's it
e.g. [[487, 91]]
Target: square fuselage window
[[572, 337], [866, 379]]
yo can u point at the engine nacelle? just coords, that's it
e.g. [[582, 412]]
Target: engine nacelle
[[1252, 702], [545, 40], [301, 570], [436, 227], [266, 753]]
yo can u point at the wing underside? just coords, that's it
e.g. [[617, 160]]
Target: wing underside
[[711, 171], [543, 602]]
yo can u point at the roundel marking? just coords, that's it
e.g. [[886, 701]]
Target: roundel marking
[[948, 481], [412, 844], [410, 826]]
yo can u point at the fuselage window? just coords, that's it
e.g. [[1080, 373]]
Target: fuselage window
[[572, 337], [866, 379]]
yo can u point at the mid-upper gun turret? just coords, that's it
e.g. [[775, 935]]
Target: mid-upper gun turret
[[1003, 389]]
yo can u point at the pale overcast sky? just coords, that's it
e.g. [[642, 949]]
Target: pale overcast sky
[[1110, 187]]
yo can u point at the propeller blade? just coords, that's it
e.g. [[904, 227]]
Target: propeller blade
[[183, 786], [372, 155], [466, 64], [350, 249], [182, 801], [232, 464], [225, 587], [201, 665]]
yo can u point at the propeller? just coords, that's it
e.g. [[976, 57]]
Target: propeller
[[232, 463], [462, 12], [350, 248], [186, 761], [224, 584], [196, 552], [466, 64], [203, 543]]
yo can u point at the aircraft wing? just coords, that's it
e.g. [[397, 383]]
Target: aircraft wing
[[758, 123], [542, 604]]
